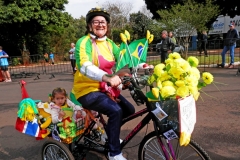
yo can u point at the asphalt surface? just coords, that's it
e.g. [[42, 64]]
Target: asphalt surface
[[217, 129]]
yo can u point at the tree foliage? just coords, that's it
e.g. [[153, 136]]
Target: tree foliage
[[140, 24], [227, 7], [185, 20], [119, 12], [22, 20]]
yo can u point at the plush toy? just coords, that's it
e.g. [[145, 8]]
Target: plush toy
[[27, 109], [45, 118], [67, 128]]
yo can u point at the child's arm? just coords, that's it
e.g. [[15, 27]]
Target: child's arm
[[75, 107], [78, 110], [56, 113]]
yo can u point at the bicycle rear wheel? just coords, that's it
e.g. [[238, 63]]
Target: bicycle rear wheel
[[54, 150], [150, 149]]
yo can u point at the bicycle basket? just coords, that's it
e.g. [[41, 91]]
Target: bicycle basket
[[75, 128], [170, 120], [70, 130]]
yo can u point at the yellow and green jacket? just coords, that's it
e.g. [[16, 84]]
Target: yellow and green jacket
[[88, 76]]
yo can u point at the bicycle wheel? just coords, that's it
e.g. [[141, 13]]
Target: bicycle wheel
[[54, 150], [150, 149]]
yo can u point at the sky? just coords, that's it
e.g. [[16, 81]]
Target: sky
[[80, 7]]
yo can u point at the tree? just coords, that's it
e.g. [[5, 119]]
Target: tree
[[21, 20], [188, 18], [227, 7], [139, 23], [57, 38], [119, 12]]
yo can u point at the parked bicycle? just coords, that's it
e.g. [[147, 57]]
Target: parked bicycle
[[162, 143]]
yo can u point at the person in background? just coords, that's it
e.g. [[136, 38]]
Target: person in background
[[166, 46], [95, 58], [4, 65], [229, 44], [46, 57], [51, 56], [203, 40], [72, 57], [170, 35]]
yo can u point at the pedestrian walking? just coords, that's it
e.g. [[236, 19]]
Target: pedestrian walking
[[203, 39], [170, 35], [72, 57], [51, 56], [4, 65], [46, 58], [166, 46], [229, 44]]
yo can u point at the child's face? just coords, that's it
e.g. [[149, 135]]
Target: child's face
[[59, 99]]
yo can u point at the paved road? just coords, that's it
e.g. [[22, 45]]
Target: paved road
[[217, 129]]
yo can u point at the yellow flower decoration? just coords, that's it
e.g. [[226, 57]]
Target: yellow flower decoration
[[158, 69], [174, 55], [194, 71], [193, 61], [176, 72], [179, 78], [194, 91], [207, 77], [182, 91], [167, 83], [155, 92], [169, 61], [180, 83], [185, 66], [159, 83], [165, 76], [168, 91], [191, 81]]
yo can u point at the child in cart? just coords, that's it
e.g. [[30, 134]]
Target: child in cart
[[59, 101], [65, 114]]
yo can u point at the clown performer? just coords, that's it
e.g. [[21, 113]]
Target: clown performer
[[95, 58]]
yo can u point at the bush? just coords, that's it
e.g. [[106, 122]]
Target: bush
[[15, 62]]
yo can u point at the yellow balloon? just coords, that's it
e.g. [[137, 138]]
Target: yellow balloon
[[127, 35], [184, 139], [148, 34], [155, 92], [123, 37], [151, 38]]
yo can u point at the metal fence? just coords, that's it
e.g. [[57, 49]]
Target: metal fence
[[36, 65], [214, 50]]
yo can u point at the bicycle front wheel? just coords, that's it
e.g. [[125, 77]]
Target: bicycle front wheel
[[150, 149], [54, 150]]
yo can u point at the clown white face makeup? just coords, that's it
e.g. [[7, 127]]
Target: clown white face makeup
[[99, 26]]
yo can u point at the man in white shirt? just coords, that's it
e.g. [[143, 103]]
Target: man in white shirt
[[72, 57]]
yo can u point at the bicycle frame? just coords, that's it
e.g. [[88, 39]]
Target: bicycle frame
[[137, 128]]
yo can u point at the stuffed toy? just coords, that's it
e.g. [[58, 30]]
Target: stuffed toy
[[27, 109], [45, 118], [67, 128]]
